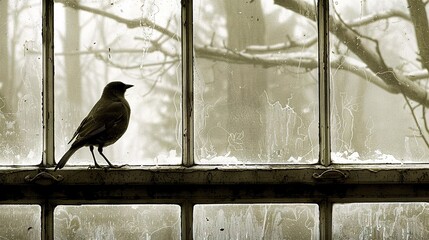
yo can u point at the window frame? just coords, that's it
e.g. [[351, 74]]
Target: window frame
[[324, 183]]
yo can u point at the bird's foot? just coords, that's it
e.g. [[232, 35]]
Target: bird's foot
[[106, 167], [94, 166], [116, 166]]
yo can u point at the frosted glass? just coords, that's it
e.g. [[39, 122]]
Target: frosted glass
[[255, 84], [94, 46], [20, 222], [20, 82], [380, 221], [371, 120], [256, 221], [117, 222]]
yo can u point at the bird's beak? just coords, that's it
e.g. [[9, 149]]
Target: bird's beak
[[128, 86]]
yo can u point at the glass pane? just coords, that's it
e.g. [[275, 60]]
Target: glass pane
[[117, 222], [20, 82], [372, 120], [256, 221], [20, 222], [135, 42], [255, 83], [381, 221]]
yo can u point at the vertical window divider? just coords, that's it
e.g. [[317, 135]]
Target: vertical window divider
[[187, 219], [325, 219], [187, 84], [47, 220], [187, 109], [48, 82], [324, 82]]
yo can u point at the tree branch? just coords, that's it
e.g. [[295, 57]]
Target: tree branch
[[369, 56], [290, 44], [379, 16], [374, 71], [305, 60], [309, 42], [421, 27], [130, 23], [417, 75]]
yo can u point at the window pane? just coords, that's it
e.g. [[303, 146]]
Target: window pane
[[256, 221], [255, 84], [371, 119], [117, 222], [20, 82], [381, 221], [135, 42], [20, 222]]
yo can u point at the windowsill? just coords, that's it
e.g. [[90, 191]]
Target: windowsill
[[208, 184], [249, 174]]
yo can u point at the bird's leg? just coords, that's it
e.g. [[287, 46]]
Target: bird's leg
[[91, 148], [100, 150]]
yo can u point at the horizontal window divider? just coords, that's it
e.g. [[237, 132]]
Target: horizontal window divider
[[215, 194]]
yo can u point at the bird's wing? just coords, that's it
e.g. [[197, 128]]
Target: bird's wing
[[110, 114], [78, 129], [101, 117]]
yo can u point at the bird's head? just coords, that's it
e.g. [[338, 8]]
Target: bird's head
[[116, 89]]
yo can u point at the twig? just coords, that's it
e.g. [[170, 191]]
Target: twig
[[290, 44], [130, 23], [416, 121], [425, 119], [110, 62], [372, 18]]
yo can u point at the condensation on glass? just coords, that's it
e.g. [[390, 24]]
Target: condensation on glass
[[256, 221], [136, 42], [256, 81], [20, 222], [20, 82], [380, 221], [117, 222], [371, 120]]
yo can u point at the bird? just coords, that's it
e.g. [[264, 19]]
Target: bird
[[104, 125]]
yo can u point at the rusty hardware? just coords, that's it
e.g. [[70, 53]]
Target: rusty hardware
[[331, 174], [44, 178]]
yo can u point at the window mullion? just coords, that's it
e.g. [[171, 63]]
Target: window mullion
[[187, 83], [187, 215], [48, 81], [324, 83], [47, 221], [325, 218]]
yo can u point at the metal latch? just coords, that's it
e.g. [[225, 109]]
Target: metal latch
[[44, 178], [331, 175]]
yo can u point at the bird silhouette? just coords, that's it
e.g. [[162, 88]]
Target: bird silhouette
[[105, 124]]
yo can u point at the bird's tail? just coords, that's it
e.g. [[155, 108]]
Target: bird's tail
[[65, 158]]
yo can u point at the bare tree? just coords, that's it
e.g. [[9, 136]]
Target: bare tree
[[72, 62], [245, 83], [363, 58], [4, 50]]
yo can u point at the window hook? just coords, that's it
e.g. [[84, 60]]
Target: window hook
[[43, 178], [331, 174]]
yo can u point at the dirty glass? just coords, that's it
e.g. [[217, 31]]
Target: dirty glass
[[20, 222], [255, 83], [256, 221], [117, 222], [375, 49], [136, 42], [20, 82], [380, 221]]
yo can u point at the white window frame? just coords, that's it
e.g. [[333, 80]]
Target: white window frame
[[324, 183]]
